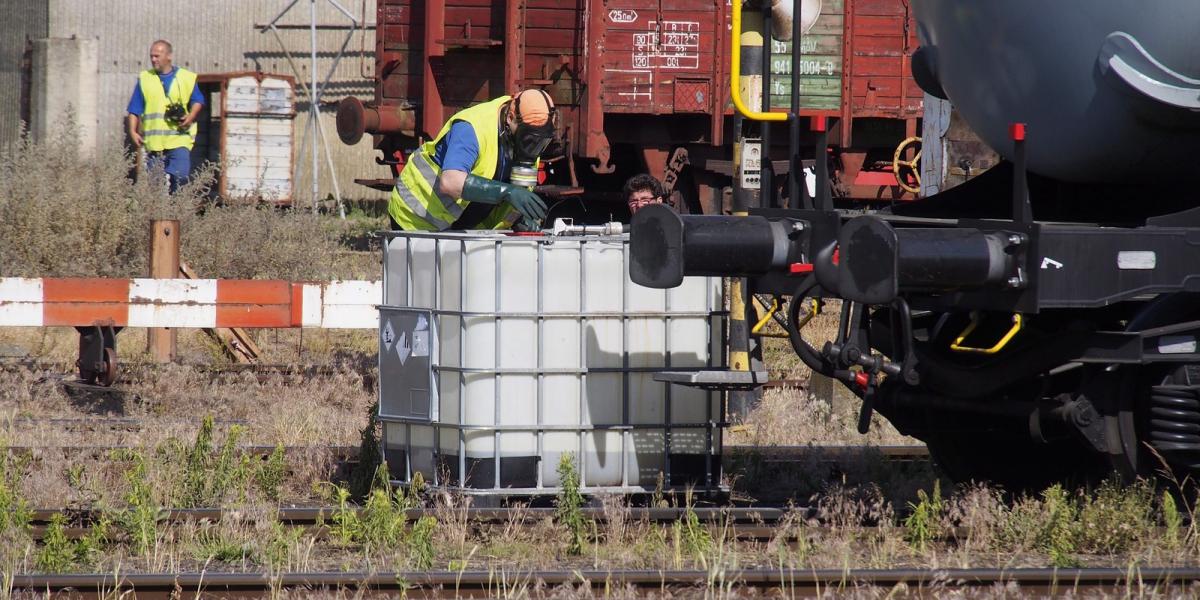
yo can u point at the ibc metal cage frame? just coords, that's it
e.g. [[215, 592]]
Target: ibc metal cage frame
[[715, 314]]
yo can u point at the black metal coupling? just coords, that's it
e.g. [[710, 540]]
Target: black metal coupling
[[666, 247], [877, 262]]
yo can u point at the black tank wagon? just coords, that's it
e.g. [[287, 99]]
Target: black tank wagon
[[1041, 321]]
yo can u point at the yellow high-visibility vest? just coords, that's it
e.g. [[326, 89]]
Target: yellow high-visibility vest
[[415, 204], [156, 132]]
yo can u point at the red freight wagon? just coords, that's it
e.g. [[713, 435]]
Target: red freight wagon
[[635, 81]]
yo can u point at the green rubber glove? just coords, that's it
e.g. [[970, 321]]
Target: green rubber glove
[[490, 191]]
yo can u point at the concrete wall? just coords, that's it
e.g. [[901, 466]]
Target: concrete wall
[[63, 91], [24, 20], [219, 36]]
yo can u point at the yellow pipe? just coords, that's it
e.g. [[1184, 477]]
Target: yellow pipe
[[735, 75], [958, 345]]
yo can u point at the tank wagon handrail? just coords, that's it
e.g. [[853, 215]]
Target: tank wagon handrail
[[735, 72]]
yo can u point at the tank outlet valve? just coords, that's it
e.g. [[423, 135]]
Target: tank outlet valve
[[568, 227]]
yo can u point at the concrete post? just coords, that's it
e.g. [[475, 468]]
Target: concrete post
[[164, 264], [64, 91]]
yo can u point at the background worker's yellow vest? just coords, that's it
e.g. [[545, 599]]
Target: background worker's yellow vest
[[156, 132], [416, 206]]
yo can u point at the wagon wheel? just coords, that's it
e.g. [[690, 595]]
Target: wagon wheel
[[913, 165], [1158, 406], [1003, 453], [996, 447], [108, 376]]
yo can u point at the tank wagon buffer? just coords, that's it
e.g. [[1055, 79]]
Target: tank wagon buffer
[[1040, 322]]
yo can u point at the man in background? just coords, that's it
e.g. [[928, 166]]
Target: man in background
[[162, 115], [643, 189]]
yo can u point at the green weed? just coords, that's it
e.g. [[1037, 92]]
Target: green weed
[[230, 470], [90, 548], [657, 499], [58, 552], [694, 537], [270, 476], [569, 504], [1172, 520], [1115, 517], [1058, 534], [142, 513], [382, 522], [363, 474], [214, 543], [921, 525], [420, 543], [208, 479], [15, 513], [279, 544], [345, 519]]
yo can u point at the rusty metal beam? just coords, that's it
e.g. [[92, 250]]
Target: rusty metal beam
[[514, 49], [595, 143], [431, 97]]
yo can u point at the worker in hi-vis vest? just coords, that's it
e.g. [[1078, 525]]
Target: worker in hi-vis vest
[[478, 171], [162, 115]]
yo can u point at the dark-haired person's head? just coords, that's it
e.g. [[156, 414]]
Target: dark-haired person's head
[[641, 190]]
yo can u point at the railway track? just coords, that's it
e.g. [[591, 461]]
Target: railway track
[[349, 454], [318, 514], [519, 582], [761, 524]]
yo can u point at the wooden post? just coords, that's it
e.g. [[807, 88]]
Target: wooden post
[[164, 264]]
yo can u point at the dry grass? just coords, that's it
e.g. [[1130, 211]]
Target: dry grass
[[795, 417], [815, 411], [290, 410], [64, 216], [855, 527]]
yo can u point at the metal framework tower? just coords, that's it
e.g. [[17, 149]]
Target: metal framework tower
[[316, 131]]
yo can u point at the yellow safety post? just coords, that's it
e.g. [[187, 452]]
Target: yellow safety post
[[735, 75]]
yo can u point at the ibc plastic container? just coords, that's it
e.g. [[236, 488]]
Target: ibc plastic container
[[524, 348]]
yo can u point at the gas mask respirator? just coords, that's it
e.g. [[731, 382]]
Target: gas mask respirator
[[528, 143]]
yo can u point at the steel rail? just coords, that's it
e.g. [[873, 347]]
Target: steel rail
[[317, 514], [444, 583], [350, 453], [347, 454]]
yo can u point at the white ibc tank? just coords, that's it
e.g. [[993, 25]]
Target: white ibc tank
[[524, 348]]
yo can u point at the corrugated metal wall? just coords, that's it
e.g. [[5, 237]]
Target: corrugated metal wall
[[219, 36], [23, 20]]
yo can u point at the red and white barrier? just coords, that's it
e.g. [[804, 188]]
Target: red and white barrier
[[189, 303]]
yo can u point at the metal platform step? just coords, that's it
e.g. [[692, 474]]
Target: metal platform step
[[722, 380]]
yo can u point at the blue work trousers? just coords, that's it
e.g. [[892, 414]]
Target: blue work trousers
[[176, 163]]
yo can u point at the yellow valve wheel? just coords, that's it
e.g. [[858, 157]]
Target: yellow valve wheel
[[913, 165]]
